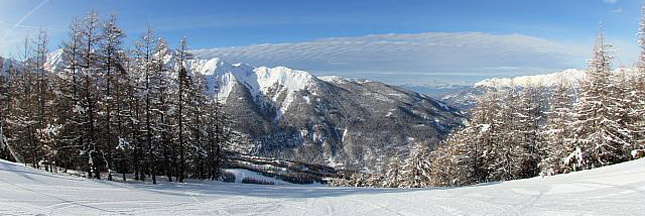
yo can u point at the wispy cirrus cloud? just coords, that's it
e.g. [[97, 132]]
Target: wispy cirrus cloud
[[14, 35], [25, 17], [412, 58], [617, 10]]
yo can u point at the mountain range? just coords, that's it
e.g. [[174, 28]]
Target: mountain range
[[345, 123], [465, 98]]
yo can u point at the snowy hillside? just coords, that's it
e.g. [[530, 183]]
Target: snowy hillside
[[612, 190]]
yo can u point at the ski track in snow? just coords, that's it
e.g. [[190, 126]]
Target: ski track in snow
[[613, 190]]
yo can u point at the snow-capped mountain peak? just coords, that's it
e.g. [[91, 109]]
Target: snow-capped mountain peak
[[291, 80], [334, 79], [222, 75], [262, 82], [54, 60], [572, 76]]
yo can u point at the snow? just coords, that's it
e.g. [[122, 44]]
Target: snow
[[261, 81], [635, 153], [334, 79], [613, 190], [293, 80], [290, 81], [54, 60], [443, 106], [342, 138], [264, 83], [573, 76], [276, 85]]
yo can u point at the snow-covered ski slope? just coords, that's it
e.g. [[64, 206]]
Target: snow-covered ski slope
[[613, 190]]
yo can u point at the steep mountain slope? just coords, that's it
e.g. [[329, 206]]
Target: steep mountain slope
[[350, 123], [613, 190], [291, 114]]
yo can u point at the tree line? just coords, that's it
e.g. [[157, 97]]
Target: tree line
[[109, 108], [532, 130], [598, 123]]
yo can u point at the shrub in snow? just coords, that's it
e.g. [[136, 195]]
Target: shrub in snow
[[227, 177], [638, 153], [251, 180]]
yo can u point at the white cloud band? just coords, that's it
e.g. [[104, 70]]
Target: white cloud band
[[390, 57]]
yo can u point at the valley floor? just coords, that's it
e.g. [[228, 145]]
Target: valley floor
[[613, 190]]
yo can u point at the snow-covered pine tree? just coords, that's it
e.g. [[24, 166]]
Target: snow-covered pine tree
[[416, 170], [132, 112], [24, 111], [454, 159], [145, 65], [8, 108], [218, 133], [90, 99], [183, 84], [528, 120], [46, 131], [121, 83], [638, 111], [162, 92], [505, 150], [393, 175], [4, 105], [122, 115], [358, 180], [375, 180], [111, 56], [556, 131], [483, 126], [597, 134], [196, 105], [623, 107], [67, 97], [468, 153]]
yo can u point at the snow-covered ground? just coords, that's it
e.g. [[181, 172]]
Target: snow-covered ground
[[614, 190]]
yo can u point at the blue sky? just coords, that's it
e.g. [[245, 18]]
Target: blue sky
[[402, 41]]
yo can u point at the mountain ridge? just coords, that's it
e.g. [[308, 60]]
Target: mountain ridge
[[465, 99], [292, 114]]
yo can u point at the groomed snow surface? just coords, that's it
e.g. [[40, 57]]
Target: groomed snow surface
[[613, 190]]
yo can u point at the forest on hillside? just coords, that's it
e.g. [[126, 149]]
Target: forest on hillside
[[527, 131], [111, 108]]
